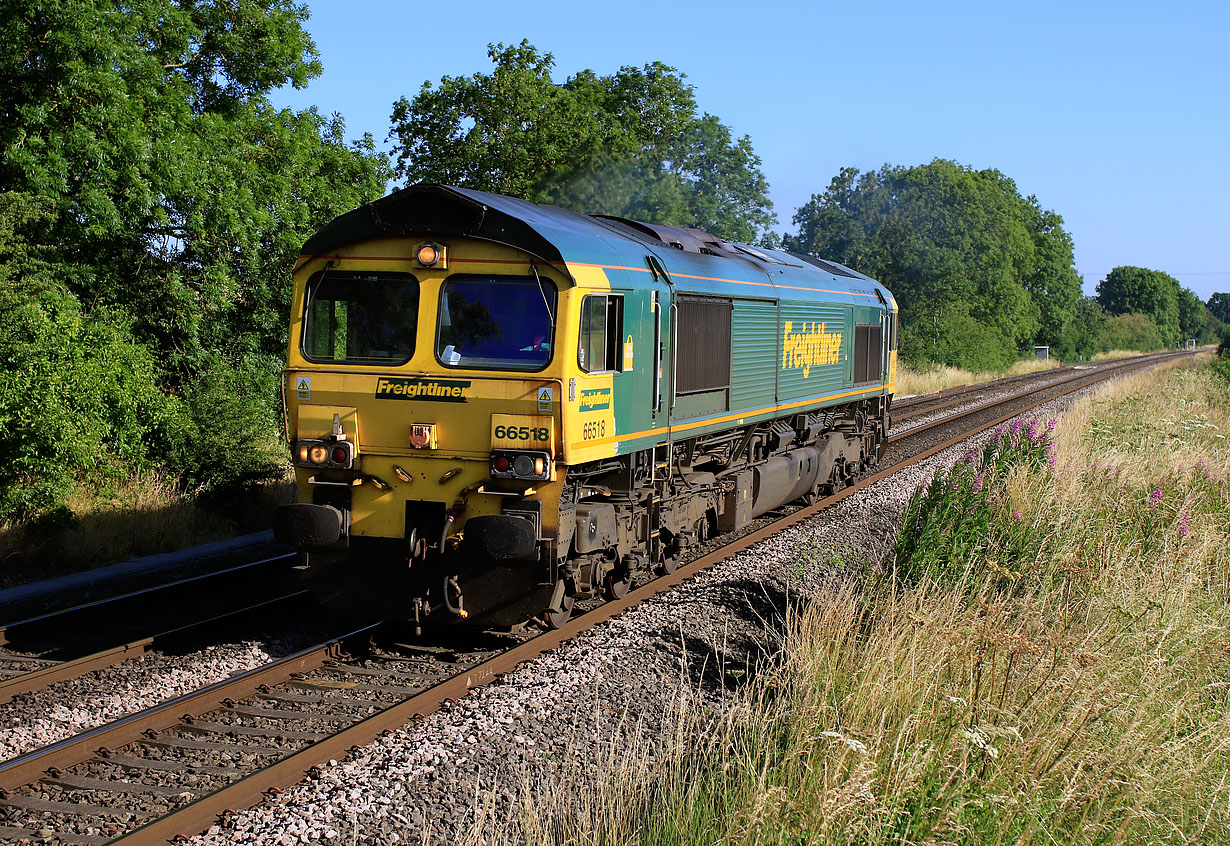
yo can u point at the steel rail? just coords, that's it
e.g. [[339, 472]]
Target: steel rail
[[200, 814], [1091, 377], [959, 390], [28, 768], [75, 668], [97, 603]]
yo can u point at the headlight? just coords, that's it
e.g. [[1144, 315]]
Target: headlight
[[521, 465], [331, 455]]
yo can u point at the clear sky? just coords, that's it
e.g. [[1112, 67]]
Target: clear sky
[[1114, 114]]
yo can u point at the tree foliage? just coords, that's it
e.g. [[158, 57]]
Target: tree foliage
[[1141, 291], [981, 272], [631, 144], [1219, 305], [155, 202], [1176, 311], [176, 188]]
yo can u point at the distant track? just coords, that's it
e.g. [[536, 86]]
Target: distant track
[[277, 723]]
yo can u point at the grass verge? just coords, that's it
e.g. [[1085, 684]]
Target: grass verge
[[1044, 661], [942, 377], [139, 516]]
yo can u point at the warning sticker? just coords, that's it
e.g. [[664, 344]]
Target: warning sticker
[[303, 388], [546, 397]]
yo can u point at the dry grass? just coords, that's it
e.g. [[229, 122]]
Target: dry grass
[[142, 516], [911, 382], [1112, 354], [1066, 681]]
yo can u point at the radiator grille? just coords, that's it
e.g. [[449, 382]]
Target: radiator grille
[[868, 352], [704, 345]]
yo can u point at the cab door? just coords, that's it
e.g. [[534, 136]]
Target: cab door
[[661, 336]]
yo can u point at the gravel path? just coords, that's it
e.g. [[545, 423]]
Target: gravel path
[[461, 774]]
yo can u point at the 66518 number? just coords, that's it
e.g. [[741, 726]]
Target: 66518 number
[[522, 433]]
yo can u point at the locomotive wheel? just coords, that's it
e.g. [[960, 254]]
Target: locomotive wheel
[[668, 565], [557, 619], [616, 589]]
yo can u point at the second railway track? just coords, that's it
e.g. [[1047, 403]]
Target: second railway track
[[174, 769]]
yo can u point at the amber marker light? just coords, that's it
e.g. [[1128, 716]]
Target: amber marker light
[[428, 255]]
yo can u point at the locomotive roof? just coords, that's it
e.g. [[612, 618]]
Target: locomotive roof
[[557, 235]]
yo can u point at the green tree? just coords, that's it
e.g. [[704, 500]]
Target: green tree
[[1138, 290], [1053, 282], [632, 144], [981, 273], [1130, 331], [176, 188], [1219, 304], [1087, 328], [77, 396], [1192, 315], [154, 203]]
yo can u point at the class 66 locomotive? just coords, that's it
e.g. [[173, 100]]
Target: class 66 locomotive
[[497, 408]]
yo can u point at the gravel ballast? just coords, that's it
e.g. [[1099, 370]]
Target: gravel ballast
[[66, 708], [458, 775]]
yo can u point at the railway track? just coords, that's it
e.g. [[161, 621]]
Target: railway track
[[175, 768], [69, 643], [925, 404]]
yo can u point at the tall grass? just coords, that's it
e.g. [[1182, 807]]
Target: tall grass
[[1045, 660], [143, 515], [941, 377]]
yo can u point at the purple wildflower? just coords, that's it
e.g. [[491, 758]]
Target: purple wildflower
[[1033, 430], [1016, 426], [1051, 424], [1183, 527], [1156, 496], [979, 481], [1016, 515]]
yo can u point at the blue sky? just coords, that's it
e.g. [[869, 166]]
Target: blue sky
[[1115, 115]]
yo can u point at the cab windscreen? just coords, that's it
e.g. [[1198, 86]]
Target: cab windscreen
[[496, 323], [360, 317]]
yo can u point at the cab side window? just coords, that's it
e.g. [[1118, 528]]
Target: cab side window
[[602, 326]]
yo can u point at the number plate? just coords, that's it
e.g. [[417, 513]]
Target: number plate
[[515, 431]]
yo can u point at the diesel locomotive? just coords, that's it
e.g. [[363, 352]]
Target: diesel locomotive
[[496, 408]]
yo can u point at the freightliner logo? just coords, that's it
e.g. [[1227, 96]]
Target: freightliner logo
[[432, 390]]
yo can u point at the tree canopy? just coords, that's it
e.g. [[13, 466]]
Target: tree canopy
[[632, 144], [981, 272], [1219, 305], [154, 201], [1141, 291], [1176, 311], [177, 191]]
